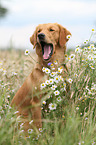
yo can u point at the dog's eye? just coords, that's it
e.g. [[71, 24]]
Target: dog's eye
[[39, 31], [51, 29]]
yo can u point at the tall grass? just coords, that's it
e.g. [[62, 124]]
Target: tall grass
[[66, 121]]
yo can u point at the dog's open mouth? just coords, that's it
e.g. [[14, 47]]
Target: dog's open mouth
[[47, 50]]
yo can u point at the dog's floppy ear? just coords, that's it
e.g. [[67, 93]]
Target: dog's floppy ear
[[63, 35], [33, 39]]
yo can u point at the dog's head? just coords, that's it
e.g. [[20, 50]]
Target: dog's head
[[47, 37]]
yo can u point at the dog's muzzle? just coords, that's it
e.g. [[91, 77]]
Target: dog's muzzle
[[47, 48]]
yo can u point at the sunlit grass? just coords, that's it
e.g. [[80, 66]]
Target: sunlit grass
[[66, 120]]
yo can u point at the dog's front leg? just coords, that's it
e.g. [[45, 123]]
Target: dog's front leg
[[36, 111]]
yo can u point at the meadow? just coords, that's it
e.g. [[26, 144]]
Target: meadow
[[70, 118]]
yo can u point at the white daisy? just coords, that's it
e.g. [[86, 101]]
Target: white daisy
[[61, 78], [90, 57], [68, 36], [47, 70], [44, 102], [78, 50], [47, 82], [40, 129], [69, 80], [57, 79], [49, 96], [53, 87], [56, 92], [91, 66], [43, 69], [64, 84], [60, 70], [43, 85], [53, 74], [55, 62], [77, 108], [30, 131], [75, 75], [52, 106], [51, 81], [27, 52], [59, 99], [72, 56]]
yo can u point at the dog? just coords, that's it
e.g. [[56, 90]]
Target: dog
[[49, 40]]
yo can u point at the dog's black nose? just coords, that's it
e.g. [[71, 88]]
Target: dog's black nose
[[41, 35]]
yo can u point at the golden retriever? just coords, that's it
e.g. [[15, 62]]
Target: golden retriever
[[49, 40]]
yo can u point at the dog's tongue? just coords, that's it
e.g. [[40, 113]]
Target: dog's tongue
[[47, 51]]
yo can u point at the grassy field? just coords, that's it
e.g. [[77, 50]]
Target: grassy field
[[68, 121]]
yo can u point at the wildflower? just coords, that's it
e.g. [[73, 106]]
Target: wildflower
[[59, 99], [21, 125], [47, 82], [72, 56], [85, 49], [1, 69], [56, 79], [4, 72], [41, 108], [52, 106], [27, 52], [64, 84], [49, 63], [90, 57], [43, 69], [68, 36], [92, 45], [53, 74], [53, 87], [60, 70], [93, 143], [78, 50], [44, 102], [55, 62], [56, 92], [85, 42], [86, 118], [51, 81], [65, 55], [40, 129], [53, 68], [21, 131], [91, 66], [1, 63], [69, 80], [30, 131], [43, 85], [16, 112], [92, 30], [63, 116], [47, 70], [77, 108], [31, 122], [14, 73], [61, 78], [93, 86], [49, 96], [80, 113], [75, 75], [8, 96]]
